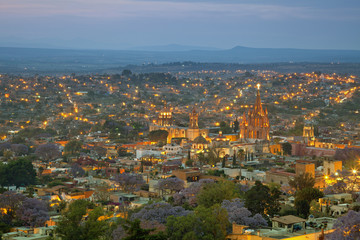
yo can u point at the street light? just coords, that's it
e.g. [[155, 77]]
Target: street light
[[354, 171]]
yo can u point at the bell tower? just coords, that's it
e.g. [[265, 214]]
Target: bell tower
[[194, 119], [165, 118], [193, 130]]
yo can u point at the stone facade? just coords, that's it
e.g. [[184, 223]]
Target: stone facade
[[255, 124], [164, 122]]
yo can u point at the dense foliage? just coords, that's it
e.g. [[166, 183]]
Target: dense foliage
[[238, 214], [72, 224], [158, 135], [346, 227], [22, 210], [170, 185], [48, 151], [215, 193], [159, 212], [263, 200], [129, 181], [17, 172], [203, 223]]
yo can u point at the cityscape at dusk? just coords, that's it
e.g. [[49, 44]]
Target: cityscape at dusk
[[179, 120]]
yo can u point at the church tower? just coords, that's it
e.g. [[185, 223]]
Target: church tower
[[194, 118], [255, 124], [165, 117], [193, 130], [308, 135]]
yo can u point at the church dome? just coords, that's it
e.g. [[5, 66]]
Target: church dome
[[200, 140]]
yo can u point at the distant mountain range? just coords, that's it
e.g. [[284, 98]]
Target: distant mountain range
[[47, 60], [172, 48]]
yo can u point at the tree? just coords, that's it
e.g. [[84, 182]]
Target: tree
[[19, 149], [338, 187], [48, 151], [158, 135], [4, 146], [19, 173], [73, 147], [203, 223], [303, 199], [28, 211], [11, 202], [77, 171], [346, 227], [189, 195], [135, 232], [102, 193], [260, 199], [33, 213], [286, 147], [8, 155], [234, 159], [216, 193], [3, 175], [126, 72], [225, 128], [122, 152], [171, 184], [287, 210], [315, 209], [189, 163], [240, 215], [241, 155], [129, 181], [73, 225], [236, 126], [159, 212], [139, 230], [309, 194], [201, 158], [302, 207], [213, 156], [302, 181]]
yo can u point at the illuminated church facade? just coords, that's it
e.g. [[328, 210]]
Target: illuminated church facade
[[165, 121], [254, 125]]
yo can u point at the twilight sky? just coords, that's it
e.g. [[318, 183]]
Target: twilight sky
[[124, 24]]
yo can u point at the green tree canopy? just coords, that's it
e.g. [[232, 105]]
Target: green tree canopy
[[203, 223], [286, 147], [122, 152], [303, 199], [216, 193], [261, 199], [73, 147], [225, 128], [158, 135], [74, 226], [302, 181], [18, 172], [135, 232]]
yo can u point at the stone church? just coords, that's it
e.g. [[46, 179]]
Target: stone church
[[255, 124], [165, 122]]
